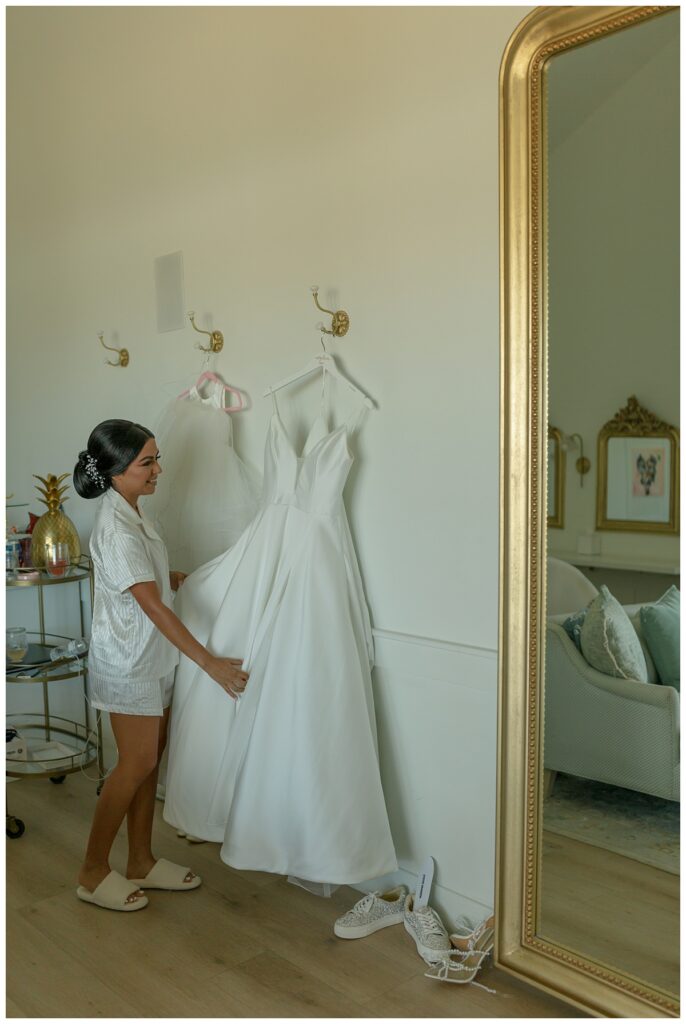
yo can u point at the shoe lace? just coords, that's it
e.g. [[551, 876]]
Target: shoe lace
[[365, 904], [429, 922]]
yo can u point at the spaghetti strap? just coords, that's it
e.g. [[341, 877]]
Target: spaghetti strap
[[324, 404], [354, 420]]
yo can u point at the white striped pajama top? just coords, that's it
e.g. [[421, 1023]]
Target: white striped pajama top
[[128, 655]]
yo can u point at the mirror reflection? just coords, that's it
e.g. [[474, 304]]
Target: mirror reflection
[[609, 885]]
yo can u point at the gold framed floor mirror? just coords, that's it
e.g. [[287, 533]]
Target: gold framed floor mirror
[[589, 275]]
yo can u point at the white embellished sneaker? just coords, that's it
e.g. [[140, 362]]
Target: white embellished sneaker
[[374, 911], [428, 931]]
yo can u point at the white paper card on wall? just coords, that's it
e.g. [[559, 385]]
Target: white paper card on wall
[[424, 880], [169, 295], [588, 544]]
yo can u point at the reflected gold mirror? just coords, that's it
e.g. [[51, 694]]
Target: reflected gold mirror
[[556, 478], [587, 887]]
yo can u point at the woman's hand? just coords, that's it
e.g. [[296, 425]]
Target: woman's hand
[[225, 671], [176, 579], [229, 674]]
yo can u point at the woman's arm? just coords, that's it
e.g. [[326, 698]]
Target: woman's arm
[[225, 671]]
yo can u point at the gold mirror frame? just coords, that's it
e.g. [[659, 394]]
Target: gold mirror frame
[[589, 985], [635, 421], [557, 520]]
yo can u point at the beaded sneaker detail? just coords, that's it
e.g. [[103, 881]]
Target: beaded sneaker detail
[[374, 911], [428, 931]]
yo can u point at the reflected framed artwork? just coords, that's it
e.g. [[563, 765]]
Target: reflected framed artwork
[[638, 472]]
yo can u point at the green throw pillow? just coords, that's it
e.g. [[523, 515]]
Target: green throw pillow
[[635, 619], [572, 627], [609, 642], [660, 624]]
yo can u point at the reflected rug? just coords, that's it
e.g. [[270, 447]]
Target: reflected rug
[[635, 825]]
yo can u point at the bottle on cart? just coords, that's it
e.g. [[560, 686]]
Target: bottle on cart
[[74, 649]]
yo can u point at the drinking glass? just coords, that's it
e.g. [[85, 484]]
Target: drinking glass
[[12, 549], [56, 559], [16, 643]]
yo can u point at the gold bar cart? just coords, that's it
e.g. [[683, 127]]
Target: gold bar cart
[[80, 743]]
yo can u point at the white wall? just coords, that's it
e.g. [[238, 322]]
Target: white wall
[[356, 148], [614, 255]]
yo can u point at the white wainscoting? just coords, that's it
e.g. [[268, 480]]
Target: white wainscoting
[[436, 706]]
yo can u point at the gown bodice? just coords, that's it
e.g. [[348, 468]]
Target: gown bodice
[[313, 481]]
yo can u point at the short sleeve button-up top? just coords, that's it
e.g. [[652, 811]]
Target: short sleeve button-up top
[[128, 655]]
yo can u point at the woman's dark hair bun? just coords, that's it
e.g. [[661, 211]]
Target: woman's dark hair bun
[[112, 447]]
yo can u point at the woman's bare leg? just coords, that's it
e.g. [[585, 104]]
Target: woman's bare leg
[[141, 813], [137, 738]]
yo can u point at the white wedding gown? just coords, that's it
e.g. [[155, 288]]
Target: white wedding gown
[[287, 778]]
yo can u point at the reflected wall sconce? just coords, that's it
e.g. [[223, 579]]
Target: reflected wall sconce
[[582, 464], [340, 321], [216, 337], [123, 353]]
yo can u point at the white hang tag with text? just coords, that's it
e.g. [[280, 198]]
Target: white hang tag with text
[[424, 880]]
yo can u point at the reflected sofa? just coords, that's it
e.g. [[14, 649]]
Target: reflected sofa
[[619, 731]]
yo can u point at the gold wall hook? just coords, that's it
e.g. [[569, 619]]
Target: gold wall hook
[[216, 337], [340, 321], [123, 353]]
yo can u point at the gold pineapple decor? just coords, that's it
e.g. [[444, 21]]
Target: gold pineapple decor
[[53, 525]]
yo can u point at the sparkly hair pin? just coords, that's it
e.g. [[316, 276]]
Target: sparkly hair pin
[[91, 470]]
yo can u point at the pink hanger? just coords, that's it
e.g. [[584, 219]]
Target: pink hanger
[[208, 375]]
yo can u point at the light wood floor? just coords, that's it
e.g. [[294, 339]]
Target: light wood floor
[[615, 909], [243, 945]]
